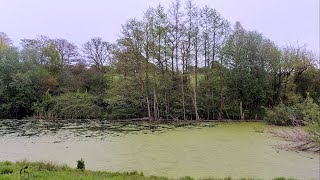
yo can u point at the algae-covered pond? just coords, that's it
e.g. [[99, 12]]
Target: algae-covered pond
[[219, 150]]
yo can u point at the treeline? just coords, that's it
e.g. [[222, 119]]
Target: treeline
[[185, 62]]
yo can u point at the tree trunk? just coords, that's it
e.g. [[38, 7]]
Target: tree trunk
[[241, 112], [221, 89], [183, 101], [155, 105], [182, 86], [195, 104], [148, 108], [196, 80], [147, 75]]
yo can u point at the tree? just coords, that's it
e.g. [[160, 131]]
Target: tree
[[98, 53], [5, 41], [67, 51], [33, 50], [193, 42], [133, 57], [214, 32], [249, 57], [176, 27], [183, 62], [16, 89]]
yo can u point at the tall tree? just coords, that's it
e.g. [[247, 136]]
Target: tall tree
[[68, 51], [176, 26], [5, 41], [33, 49], [98, 53], [193, 31]]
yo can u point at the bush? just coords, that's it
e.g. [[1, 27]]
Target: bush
[[283, 178], [6, 170], [283, 115], [305, 113], [75, 106], [80, 164], [7, 163], [121, 107], [186, 178], [311, 115]]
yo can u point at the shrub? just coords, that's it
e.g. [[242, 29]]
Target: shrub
[[80, 164], [283, 178], [283, 115], [75, 105], [6, 170], [305, 113], [311, 115], [186, 178], [121, 107], [7, 163]]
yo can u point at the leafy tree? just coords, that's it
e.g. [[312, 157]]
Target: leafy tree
[[183, 62]]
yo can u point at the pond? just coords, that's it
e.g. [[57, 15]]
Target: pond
[[205, 150]]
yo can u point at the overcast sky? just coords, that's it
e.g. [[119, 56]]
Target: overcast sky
[[283, 21]]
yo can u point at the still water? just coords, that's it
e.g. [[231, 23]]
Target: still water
[[206, 150]]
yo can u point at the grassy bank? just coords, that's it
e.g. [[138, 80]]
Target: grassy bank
[[50, 171]]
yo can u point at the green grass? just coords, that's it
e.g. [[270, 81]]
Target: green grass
[[51, 171]]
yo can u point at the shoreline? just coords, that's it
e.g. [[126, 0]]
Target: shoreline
[[49, 170]]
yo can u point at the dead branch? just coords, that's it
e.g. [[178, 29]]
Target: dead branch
[[298, 138]]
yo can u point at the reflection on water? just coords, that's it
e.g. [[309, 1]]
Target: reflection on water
[[225, 149]]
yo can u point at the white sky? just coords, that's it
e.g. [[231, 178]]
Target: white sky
[[283, 21]]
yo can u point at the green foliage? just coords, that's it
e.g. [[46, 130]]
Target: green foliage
[[19, 95], [7, 163], [307, 112], [48, 166], [49, 171], [74, 105], [283, 178], [311, 113], [124, 101], [309, 83], [283, 115], [53, 62], [195, 70], [120, 107], [41, 108], [6, 170], [43, 81], [81, 165], [186, 178]]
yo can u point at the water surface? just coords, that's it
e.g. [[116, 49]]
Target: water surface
[[219, 150]]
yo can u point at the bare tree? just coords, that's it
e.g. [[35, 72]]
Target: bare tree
[[34, 49], [98, 53], [206, 23], [67, 51], [176, 25], [192, 22]]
